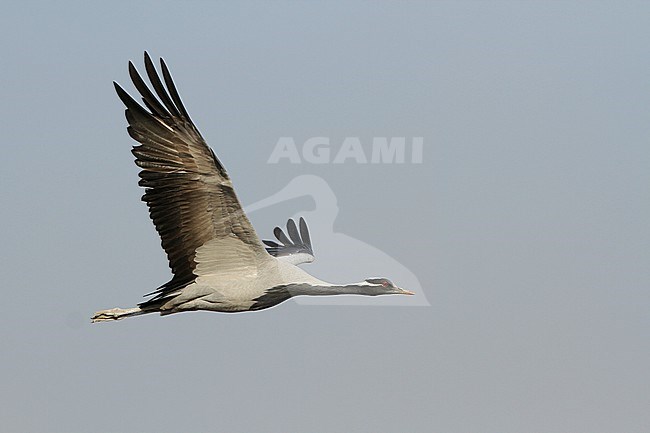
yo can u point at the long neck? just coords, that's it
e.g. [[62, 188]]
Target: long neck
[[362, 288], [281, 293], [304, 284]]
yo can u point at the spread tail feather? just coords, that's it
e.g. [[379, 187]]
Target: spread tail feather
[[117, 314]]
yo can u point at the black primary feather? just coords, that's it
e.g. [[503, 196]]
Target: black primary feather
[[297, 242]]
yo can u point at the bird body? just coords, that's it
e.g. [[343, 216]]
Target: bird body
[[217, 260], [238, 292]]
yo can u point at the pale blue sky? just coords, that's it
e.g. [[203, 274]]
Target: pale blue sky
[[526, 224]]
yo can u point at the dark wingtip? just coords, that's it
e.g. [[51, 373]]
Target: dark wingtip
[[304, 234], [121, 92], [163, 64], [279, 234], [132, 69], [173, 91], [148, 63], [292, 229]]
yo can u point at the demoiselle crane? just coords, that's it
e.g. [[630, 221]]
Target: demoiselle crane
[[217, 260]]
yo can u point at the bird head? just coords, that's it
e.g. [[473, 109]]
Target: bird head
[[384, 286]]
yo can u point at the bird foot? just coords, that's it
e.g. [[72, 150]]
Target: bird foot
[[113, 314]]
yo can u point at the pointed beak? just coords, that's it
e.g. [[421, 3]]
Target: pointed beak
[[405, 292]]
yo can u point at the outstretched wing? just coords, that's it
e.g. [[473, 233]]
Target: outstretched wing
[[191, 199], [295, 248]]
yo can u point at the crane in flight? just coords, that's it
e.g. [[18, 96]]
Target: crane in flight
[[217, 260]]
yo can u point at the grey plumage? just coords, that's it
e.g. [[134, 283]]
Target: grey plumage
[[216, 258]]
